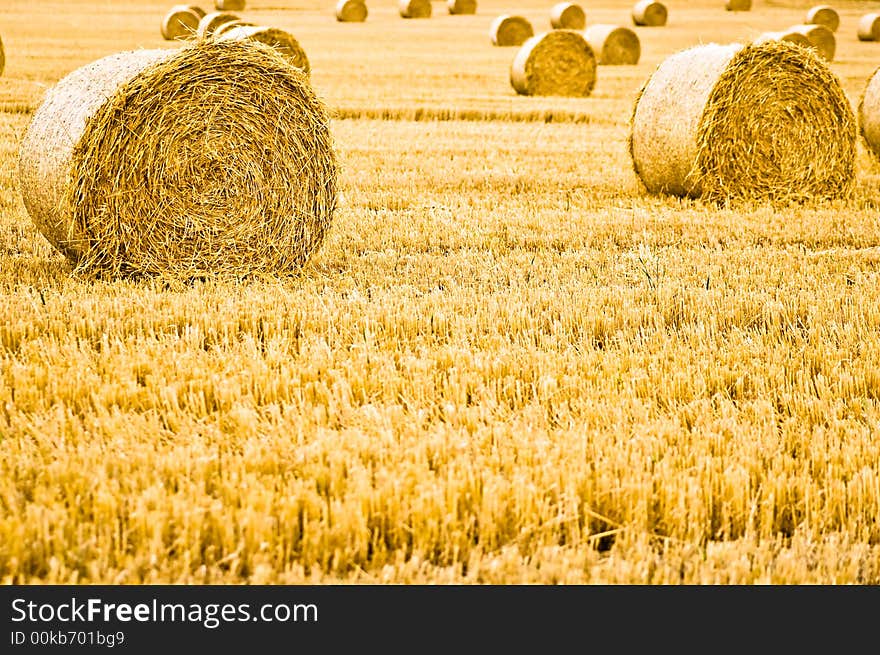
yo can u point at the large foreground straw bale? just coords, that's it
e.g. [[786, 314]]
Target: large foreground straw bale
[[461, 6], [820, 37], [183, 163], [229, 5], [823, 15], [351, 11], [789, 36], [649, 14], [869, 113], [509, 30], [211, 21], [761, 122], [282, 41], [567, 16], [414, 8], [555, 63], [613, 44], [738, 5], [869, 27], [181, 22]]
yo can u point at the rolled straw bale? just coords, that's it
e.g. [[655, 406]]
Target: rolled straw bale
[[198, 11], [613, 44], [351, 11], [2, 57], [224, 27], [229, 5], [821, 38], [555, 63], [182, 163], [181, 22], [755, 122], [738, 5], [789, 36], [509, 30], [649, 14], [823, 15], [281, 40], [567, 16], [869, 114], [211, 21], [462, 6], [414, 8], [869, 27]]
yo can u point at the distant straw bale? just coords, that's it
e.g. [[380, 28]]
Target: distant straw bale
[[738, 5], [869, 114], [282, 41], [869, 27], [198, 11], [823, 15], [613, 44], [821, 38], [567, 16], [182, 163], [225, 27], [181, 22], [555, 63], [789, 36], [414, 8], [509, 30], [462, 6], [351, 11], [649, 14], [229, 5], [211, 21], [2, 57], [766, 122]]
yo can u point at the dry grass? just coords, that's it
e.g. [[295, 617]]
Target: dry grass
[[507, 363]]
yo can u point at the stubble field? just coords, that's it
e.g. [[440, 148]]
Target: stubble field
[[508, 363]]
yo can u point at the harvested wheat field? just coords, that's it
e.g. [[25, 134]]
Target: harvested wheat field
[[505, 361]]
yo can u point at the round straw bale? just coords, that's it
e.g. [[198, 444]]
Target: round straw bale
[[613, 44], [225, 27], [649, 14], [555, 63], [509, 30], [351, 11], [789, 36], [567, 16], [281, 40], [823, 15], [869, 114], [2, 57], [211, 21], [738, 5], [181, 22], [462, 6], [756, 122], [182, 163], [198, 11], [869, 27], [229, 5], [821, 38], [414, 8]]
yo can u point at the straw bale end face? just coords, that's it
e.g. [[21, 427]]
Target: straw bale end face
[[509, 30], [414, 8], [762, 122], [351, 11], [182, 163], [821, 39], [567, 16], [280, 40], [459, 7], [738, 5], [613, 44], [869, 114], [555, 63], [229, 5], [649, 14], [869, 27], [180, 22], [824, 15]]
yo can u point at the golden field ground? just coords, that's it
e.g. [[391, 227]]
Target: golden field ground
[[507, 363]]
